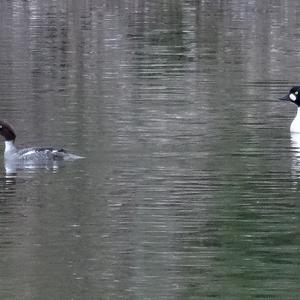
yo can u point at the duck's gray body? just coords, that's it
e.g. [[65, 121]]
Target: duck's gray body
[[33, 155], [36, 154]]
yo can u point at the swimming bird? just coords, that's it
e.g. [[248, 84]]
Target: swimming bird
[[294, 96], [33, 155]]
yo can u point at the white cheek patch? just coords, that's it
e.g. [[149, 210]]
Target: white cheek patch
[[292, 97]]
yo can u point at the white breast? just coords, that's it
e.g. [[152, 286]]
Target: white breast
[[295, 126]]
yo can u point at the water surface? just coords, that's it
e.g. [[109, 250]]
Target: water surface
[[190, 185]]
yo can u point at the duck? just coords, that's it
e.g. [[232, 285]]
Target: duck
[[32, 155], [294, 97]]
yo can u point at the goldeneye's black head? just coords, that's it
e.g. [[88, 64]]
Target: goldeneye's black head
[[293, 96], [7, 132]]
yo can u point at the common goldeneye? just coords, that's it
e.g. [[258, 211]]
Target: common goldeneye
[[33, 155], [294, 96]]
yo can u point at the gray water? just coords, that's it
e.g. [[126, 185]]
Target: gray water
[[190, 186]]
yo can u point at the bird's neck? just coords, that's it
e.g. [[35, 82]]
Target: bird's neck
[[9, 147]]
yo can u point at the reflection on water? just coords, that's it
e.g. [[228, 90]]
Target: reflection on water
[[190, 186], [295, 149], [295, 143], [12, 167], [7, 182]]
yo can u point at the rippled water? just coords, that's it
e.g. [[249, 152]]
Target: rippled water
[[190, 185]]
